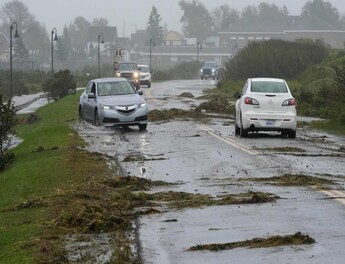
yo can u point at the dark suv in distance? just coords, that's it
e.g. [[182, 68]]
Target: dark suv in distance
[[130, 71], [209, 70]]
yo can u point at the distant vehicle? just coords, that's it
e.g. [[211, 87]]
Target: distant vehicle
[[113, 102], [265, 104], [145, 75], [130, 71], [209, 70]]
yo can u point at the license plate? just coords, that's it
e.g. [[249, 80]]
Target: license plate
[[270, 122]]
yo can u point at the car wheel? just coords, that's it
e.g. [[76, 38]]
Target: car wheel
[[292, 134], [142, 127], [96, 119], [149, 85], [243, 132], [237, 129], [284, 133], [81, 116]]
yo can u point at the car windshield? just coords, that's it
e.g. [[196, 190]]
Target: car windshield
[[209, 64], [144, 69], [268, 87], [115, 88], [127, 67]]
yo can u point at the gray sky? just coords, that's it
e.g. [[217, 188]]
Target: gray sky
[[129, 15]]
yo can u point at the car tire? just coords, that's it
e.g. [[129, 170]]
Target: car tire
[[142, 127], [243, 132], [149, 85], [292, 134], [237, 129], [81, 116], [284, 133], [96, 119]]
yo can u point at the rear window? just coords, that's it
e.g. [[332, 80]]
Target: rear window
[[268, 87]]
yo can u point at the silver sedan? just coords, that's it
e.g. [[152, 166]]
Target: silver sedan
[[113, 102]]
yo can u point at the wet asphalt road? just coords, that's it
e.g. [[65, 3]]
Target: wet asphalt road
[[209, 159]]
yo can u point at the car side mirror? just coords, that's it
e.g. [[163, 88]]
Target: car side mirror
[[237, 95], [91, 95], [140, 92]]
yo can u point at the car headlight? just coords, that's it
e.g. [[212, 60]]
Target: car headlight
[[142, 105], [213, 70], [105, 107], [201, 70], [136, 75], [118, 74]]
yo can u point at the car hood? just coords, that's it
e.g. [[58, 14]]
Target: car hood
[[130, 99]]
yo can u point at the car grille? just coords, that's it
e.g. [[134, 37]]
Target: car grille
[[111, 120], [206, 71], [127, 75], [127, 109]]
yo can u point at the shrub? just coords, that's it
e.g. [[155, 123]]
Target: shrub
[[59, 85], [8, 120], [274, 58]]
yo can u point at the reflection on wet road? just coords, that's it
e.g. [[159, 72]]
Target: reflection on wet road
[[207, 158]]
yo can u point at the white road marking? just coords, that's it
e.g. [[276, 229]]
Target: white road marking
[[228, 140], [336, 195]]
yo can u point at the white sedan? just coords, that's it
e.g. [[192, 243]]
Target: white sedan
[[265, 104]]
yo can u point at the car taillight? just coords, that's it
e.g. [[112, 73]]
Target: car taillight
[[289, 102], [250, 101]]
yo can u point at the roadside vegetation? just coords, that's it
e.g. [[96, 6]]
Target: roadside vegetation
[[8, 121], [186, 70]]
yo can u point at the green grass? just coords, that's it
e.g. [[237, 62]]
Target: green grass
[[34, 174], [331, 126]]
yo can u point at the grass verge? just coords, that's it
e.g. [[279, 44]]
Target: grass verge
[[48, 164]]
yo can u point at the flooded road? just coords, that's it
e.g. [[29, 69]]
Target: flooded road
[[206, 158]]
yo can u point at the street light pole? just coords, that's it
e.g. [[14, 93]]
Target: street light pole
[[152, 44], [100, 40], [53, 38], [16, 35], [198, 48]]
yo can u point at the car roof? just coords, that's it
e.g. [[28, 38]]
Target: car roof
[[266, 80], [127, 62], [141, 65]]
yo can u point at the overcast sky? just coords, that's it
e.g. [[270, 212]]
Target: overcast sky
[[128, 15]]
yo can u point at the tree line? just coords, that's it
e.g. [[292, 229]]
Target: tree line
[[197, 21]]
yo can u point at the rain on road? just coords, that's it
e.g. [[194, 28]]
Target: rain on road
[[207, 158]]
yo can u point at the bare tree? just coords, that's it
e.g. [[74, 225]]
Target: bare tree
[[15, 11]]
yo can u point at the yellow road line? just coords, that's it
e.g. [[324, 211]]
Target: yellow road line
[[149, 96], [228, 140]]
